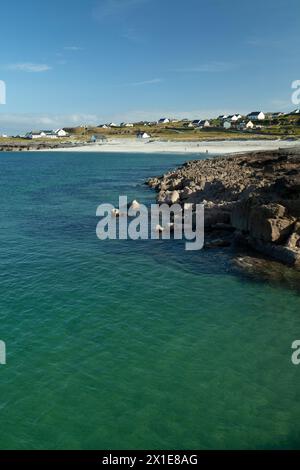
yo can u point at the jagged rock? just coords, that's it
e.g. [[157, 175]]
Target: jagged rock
[[186, 193], [269, 229], [294, 239], [175, 184], [168, 197], [153, 182], [215, 215], [162, 197], [278, 252], [257, 194], [174, 197], [265, 222]]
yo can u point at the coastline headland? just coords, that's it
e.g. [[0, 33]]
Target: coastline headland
[[31, 146], [251, 199]]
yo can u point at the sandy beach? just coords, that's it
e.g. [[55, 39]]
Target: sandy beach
[[157, 146]]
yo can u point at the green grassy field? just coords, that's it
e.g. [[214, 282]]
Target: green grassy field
[[284, 127]]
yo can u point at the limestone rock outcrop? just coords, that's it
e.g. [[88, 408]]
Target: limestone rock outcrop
[[255, 194]]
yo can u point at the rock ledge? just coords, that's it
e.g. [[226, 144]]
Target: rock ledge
[[255, 197]]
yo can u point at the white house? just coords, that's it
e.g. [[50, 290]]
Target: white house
[[143, 135], [227, 125], [112, 124], [234, 117], [164, 121], [256, 116], [126, 124], [249, 125], [61, 133], [297, 111], [276, 115], [33, 135], [49, 134], [41, 135], [204, 123], [243, 125]]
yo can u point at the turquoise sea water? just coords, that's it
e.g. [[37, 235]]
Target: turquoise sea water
[[128, 345]]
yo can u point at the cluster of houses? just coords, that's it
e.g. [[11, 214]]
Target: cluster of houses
[[112, 124], [141, 123], [56, 134], [250, 121], [253, 120], [235, 121]]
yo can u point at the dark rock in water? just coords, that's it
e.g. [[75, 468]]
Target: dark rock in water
[[271, 271], [218, 243], [222, 226], [257, 194]]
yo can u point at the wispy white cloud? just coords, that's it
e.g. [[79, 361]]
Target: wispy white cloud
[[131, 35], [26, 122], [263, 42], [28, 67], [115, 8], [214, 66], [153, 81], [73, 48], [16, 123]]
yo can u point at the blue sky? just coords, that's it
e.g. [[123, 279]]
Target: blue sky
[[90, 61]]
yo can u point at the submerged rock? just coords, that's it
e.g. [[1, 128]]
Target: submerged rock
[[271, 271], [218, 243]]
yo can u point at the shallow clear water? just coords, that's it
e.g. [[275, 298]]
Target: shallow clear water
[[126, 345]]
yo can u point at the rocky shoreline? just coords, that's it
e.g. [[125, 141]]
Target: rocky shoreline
[[32, 146], [251, 199]]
